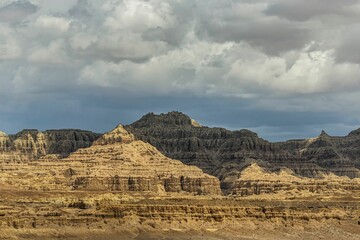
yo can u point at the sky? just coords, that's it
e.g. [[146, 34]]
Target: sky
[[283, 68]]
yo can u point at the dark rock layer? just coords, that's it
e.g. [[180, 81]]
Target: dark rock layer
[[225, 153]]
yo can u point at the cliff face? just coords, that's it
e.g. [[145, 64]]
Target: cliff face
[[339, 155], [208, 148], [123, 186], [137, 166], [115, 162], [32, 144], [225, 153], [255, 180], [121, 216], [5, 142], [217, 151]]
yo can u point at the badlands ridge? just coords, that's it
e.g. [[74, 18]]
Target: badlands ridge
[[168, 177]]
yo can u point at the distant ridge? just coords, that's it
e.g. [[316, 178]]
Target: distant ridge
[[217, 151], [225, 153]]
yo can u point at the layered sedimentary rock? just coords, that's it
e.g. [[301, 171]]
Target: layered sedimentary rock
[[115, 162], [123, 187], [216, 151], [34, 215], [339, 155], [30, 145], [255, 180], [225, 153], [208, 148]]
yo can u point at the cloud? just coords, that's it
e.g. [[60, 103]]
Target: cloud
[[268, 59], [82, 9], [138, 16], [52, 23], [349, 47], [244, 21], [300, 11], [16, 11], [54, 53], [10, 47]]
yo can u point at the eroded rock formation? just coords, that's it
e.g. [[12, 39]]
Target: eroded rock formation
[[115, 162], [120, 186], [30, 145], [255, 180], [36, 215], [224, 153]]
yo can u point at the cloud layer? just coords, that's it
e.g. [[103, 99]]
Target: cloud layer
[[270, 59]]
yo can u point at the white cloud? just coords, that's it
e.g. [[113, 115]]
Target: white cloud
[[192, 69], [22, 77], [227, 48], [10, 47], [138, 16], [128, 46], [54, 53], [312, 72], [52, 23], [82, 41]]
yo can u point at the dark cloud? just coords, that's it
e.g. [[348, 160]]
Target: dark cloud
[[101, 112], [16, 11], [301, 11], [185, 13], [349, 48], [273, 36], [283, 68], [82, 9]]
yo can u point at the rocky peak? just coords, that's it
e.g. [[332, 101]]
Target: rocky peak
[[27, 134], [179, 137], [223, 153], [2, 134], [323, 134], [117, 162], [171, 119], [355, 133], [195, 123], [118, 134], [244, 133]]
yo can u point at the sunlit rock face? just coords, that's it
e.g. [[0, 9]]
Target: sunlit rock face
[[217, 151], [254, 180], [119, 184], [115, 162]]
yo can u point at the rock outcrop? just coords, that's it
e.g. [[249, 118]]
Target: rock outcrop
[[29, 145], [255, 180], [217, 151], [115, 162], [76, 185], [34, 215], [224, 153]]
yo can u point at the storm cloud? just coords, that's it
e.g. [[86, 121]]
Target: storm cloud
[[284, 68]]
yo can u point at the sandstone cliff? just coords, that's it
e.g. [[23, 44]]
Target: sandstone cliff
[[74, 215], [53, 185], [115, 162], [217, 151]]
